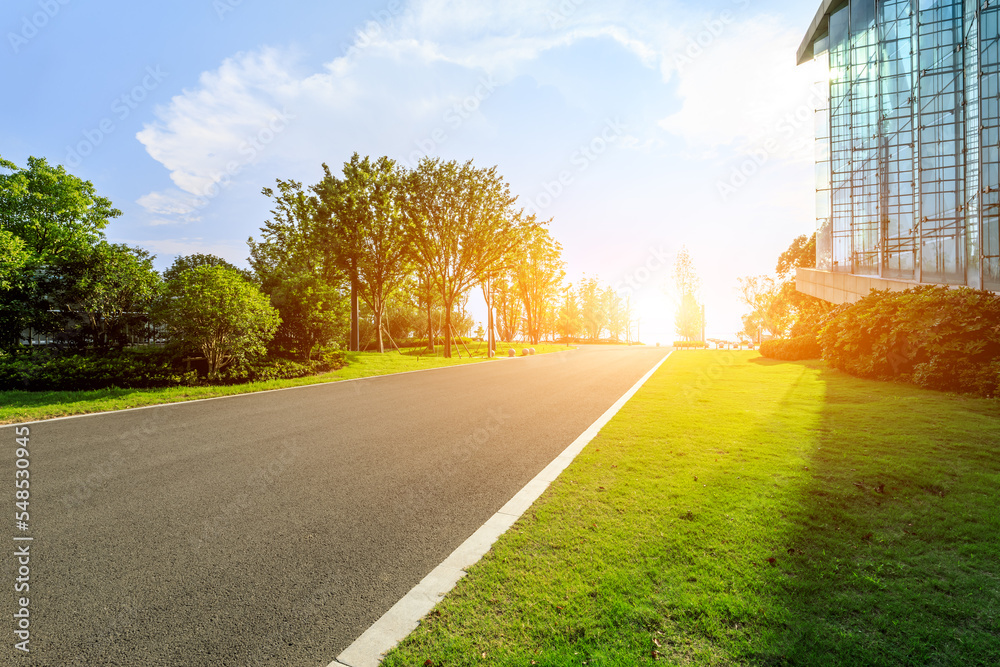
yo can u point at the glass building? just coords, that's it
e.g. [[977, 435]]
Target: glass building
[[908, 145]]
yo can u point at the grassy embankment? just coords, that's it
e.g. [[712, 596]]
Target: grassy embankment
[[21, 406], [741, 511]]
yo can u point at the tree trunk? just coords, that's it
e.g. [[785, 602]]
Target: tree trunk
[[378, 326], [447, 328], [430, 320], [355, 331], [491, 342]]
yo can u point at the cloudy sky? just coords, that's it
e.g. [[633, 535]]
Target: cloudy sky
[[638, 127]]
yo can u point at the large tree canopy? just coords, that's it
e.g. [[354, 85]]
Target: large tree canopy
[[366, 213], [51, 226], [297, 263], [463, 222], [52, 211]]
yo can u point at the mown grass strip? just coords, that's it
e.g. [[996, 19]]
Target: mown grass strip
[[22, 406], [741, 511]]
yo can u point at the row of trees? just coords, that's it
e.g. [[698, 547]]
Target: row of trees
[[378, 251], [62, 282], [399, 240]]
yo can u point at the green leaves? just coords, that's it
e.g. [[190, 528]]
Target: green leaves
[[215, 310], [52, 211], [937, 337], [13, 257]]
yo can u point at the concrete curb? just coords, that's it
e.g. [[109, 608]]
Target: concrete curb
[[404, 616]]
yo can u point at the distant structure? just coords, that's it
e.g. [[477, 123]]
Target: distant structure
[[908, 146]]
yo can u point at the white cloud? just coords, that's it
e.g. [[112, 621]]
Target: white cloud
[[405, 71], [203, 133], [741, 89]]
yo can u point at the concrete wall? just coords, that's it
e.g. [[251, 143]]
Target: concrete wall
[[843, 287]]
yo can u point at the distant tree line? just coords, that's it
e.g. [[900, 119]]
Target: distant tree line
[[376, 255]]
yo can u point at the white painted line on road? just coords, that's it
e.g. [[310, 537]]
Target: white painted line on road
[[263, 391], [404, 616]]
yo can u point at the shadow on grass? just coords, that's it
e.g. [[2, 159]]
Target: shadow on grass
[[894, 555]]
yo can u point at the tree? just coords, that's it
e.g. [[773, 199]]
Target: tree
[[215, 310], [184, 262], [767, 313], [312, 312], [507, 306], [775, 305], [806, 312], [50, 210], [463, 225], [688, 319], [297, 264], [366, 211], [116, 293], [593, 310], [801, 253], [58, 219], [13, 258], [538, 268], [569, 322]]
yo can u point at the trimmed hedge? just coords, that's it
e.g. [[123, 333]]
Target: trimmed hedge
[[690, 343], [792, 349], [142, 369], [282, 369], [129, 369], [935, 337]]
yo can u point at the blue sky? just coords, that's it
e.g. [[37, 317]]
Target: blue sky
[[625, 122]]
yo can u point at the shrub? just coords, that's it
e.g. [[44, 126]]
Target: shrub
[[45, 370], [690, 343], [791, 349], [282, 369], [935, 337], [134, 368]]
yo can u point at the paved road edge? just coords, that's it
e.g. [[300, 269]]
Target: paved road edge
[[404, 616], [256, 393]]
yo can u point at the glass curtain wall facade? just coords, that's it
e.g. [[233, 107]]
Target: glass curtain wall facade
[[908, 141]]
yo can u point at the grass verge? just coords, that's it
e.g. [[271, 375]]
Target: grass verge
[[743, 511], [22, 406]]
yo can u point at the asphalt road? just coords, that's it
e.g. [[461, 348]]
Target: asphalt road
[[273, 529]]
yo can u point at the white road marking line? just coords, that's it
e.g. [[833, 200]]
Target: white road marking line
[[404, 616]]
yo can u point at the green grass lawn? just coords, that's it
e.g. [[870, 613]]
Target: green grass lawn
[[741, 511], [22, 406]]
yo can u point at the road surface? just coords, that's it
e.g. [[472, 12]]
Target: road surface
[[273, 529]]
